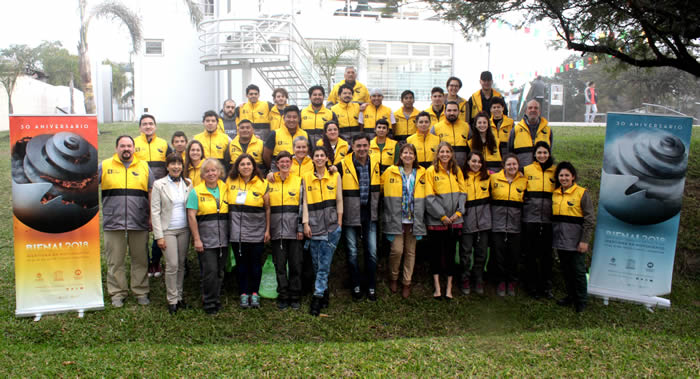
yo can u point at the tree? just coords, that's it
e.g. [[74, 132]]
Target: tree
[[327, 57], [115, 10], [642, 33], [58, 64], [120, 81], [15, 61]]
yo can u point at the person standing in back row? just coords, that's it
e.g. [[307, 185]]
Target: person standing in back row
[[481, 99], [530, 130], [591, 102]]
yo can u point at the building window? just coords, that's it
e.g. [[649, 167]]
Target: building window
[[154, 47], [398, 66], [208, 10]]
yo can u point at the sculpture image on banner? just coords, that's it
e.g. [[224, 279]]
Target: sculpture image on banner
[[55, 207], [644, 167]]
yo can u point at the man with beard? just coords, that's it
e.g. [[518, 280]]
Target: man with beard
[[126, 182], [227, 120], [531, 129], [375, 111], [279, 98], [315, 115], [454, 131], [360, 93]]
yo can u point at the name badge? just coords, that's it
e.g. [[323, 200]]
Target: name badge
[[240, 198]]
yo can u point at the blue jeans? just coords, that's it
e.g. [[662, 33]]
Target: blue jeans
[[369, 246], [322, 257]]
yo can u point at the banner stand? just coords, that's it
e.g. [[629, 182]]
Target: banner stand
[[648, 301]]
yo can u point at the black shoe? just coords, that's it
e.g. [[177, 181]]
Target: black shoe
[[580, 307], [172, 308], [326, 300], [371, 294], [356, 294], [565, 302], [296, 305], [315, 307], [547, 294], [182, 305], [282, 304]]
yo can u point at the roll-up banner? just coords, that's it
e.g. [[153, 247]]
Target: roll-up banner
[[641, 188], [55, 214]]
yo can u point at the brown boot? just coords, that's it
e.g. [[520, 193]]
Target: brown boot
[[406, 291], [394, 286]]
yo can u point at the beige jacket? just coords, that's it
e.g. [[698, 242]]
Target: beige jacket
[[162, 205]]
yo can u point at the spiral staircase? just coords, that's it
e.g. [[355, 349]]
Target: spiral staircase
[[272, 46]]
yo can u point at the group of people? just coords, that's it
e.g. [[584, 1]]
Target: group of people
[[461, 173]]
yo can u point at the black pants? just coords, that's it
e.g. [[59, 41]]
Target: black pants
[[212, 263], [573, 267], [538, 261], [506, 251], [473, 262], [287, 252], [443, 246], [249, 264], [156, 253]]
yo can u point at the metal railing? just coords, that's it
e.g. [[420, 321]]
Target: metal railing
[[658, 108]]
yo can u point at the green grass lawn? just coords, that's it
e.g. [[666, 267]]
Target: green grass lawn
[[475, 335]]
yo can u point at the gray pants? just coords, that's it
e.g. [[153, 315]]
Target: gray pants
[[176, 244], [212, 263], [115, 244], [287, 253]]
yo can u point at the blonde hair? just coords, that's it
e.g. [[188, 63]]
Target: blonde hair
[[212, 161]]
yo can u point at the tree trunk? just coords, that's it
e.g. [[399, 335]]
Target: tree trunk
[[72, 102], [84, 62], [9, 105]]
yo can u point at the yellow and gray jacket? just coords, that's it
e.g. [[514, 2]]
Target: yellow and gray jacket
[[426, 147], [477, 104], [456, 135], [348, 116], [444, 195], [360, 93], [215, 144], [351, 190], [125, 203], [246, 209], [404, 127], [312, 122], [392, 189], [478, 208], [507, 202], [284, 141], [285, 207], [572, 217], [276, 118], [386, 155], [306, 166], [434, 119], [258, 114], [341, 150], [321, 202], [491, 158], [521, 142], [255, 149], [153, 152], [503, 133], [212, 216], [538, 196], [371, 114]]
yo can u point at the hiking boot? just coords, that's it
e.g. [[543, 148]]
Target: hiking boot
[[282, 304], [511, 289], [466, 288], [143, 300], [356, 294], [501, 290], [315, 307], [296, 305], [255, 300], [245, 301], [371, 294], [117, 302]]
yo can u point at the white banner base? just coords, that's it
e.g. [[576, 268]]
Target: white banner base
[[648, 301]]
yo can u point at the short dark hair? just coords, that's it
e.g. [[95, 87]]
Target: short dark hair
[[283, 154], [317, 87], [451, 78], [344, 86], [406, 93], [360, 136], [146, 115], [382, 121], [282, 91], [423, 114], [451, 103], [564, 166], [437, 89], [252, 87], [498, 100], [173, 158], [511, 155], [245, 121], [178, 133], [292, 108], [210, 113], [123, 136]]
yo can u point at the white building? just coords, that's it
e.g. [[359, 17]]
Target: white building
[[183, 71]]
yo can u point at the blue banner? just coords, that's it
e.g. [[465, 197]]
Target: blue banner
[[641, 188]]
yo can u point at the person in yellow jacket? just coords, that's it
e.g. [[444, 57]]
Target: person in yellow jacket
[[403, 187], [481, 99], [207, 216], [484, 140], [249, 225], [507, 195], [347, 113], [453, 85], [445, 196], [336, 147], [501, 123], [359, 91], [258, 112], [194, 156], [279, 98], [437, 105], [531, 129], [405, 117], [474, 242], [426, 143], [315, 115], [537, 222], [375, 111], [215, 143], [245, 142], [283, 138], [454, 131], [301, 162], [385, 148], [573, 218]]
